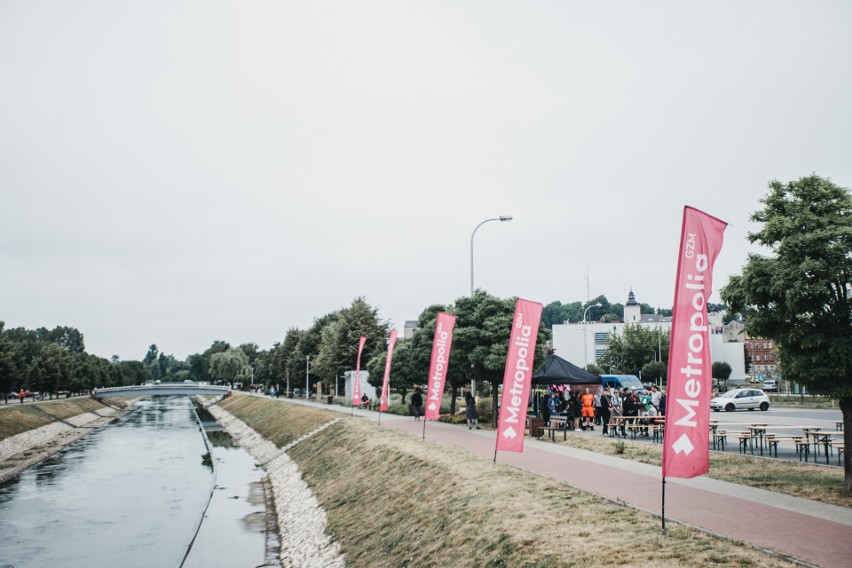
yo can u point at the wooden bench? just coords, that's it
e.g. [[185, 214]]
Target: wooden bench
[[638, 430], [557, 424], [801, 443], [720, 440], [745, 440], [658, 430], [838, 425]]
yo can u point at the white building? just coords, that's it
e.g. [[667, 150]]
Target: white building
[[366, 387], [583, 343]]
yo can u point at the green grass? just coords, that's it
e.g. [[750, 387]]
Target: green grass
[[17, 419], [810, 481]]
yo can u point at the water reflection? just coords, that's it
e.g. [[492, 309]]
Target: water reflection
[[130, 494]]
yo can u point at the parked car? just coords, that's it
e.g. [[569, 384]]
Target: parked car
[[770, 385], [739, 399]]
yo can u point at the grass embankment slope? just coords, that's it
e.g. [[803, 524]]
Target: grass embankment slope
[[17, 419], [396, 500]]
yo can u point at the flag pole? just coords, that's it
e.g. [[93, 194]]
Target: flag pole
[[424, 427], [664, 505]]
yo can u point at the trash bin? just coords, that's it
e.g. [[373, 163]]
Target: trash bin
[[331, 400]]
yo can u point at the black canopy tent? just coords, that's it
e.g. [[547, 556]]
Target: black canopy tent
[[558, 371]]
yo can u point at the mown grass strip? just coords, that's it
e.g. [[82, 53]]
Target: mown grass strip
[[277, 421], [798, 479], [20, 419]]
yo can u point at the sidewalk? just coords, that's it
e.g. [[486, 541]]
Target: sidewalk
[[808, 531]]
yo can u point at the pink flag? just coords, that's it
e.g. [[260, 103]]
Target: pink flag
[[685, 449], [440, 359], [356, 387], [517, 377], [383, 401]]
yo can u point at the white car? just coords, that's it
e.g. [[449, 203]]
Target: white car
[[770, 385], [738, 399]]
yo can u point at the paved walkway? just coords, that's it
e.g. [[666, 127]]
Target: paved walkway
[[808, 531]]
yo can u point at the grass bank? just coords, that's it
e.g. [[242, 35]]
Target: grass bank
[[17, 419], [396, 500], [810, 481]]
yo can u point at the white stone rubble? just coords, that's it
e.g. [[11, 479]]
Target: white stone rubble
[[32, 438], [301, 521]]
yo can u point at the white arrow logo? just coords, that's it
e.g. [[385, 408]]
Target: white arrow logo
[[683, 444], [510, 433], [432, 406]]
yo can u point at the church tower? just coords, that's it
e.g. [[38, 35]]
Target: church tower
[[631, 309]]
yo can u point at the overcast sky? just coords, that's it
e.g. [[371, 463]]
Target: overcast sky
[[179, 172]]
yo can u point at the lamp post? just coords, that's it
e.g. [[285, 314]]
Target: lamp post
[[585, 338], [307, 378], [473, 234], [500, 218]]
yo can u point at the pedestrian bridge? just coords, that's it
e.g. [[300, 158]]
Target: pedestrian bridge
[[161, 390]]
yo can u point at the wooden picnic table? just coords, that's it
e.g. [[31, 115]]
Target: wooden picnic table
[[757, 431], [818, 437]]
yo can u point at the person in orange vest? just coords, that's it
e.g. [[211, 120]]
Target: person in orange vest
[[588, 401], [21, 396]]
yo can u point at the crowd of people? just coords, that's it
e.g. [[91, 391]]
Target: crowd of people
[[595, 406]]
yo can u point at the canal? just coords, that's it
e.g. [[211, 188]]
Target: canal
[[140, 492]]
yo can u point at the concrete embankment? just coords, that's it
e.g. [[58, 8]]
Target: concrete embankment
[[302, 523], [24, 450]]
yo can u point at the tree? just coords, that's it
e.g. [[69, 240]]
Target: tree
[[637, 345], [338, 349], [721, 371], [481, 340], [228, 364], [799, 296]]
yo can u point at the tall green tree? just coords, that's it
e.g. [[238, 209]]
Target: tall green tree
[[799, 295], [338, 349], [481, 339], [637, 346]]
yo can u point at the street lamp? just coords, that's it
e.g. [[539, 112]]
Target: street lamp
[[473, 234], [500, 218], [307, 378], [585, 337]]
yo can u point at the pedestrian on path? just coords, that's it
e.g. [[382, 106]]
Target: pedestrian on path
[[470, 412], [416, 402], [21, 396]]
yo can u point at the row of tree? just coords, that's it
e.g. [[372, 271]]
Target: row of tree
[[55, 360]]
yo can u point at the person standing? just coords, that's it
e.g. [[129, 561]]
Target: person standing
[[655, 397], [551, 408], [21, 396], [597, 408], [588, 402], [416, 402], [470, 412], [606, 414]]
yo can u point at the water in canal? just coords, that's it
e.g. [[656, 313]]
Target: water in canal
[[138, 493]]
